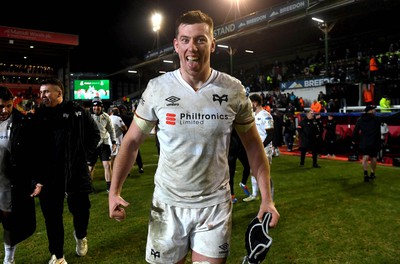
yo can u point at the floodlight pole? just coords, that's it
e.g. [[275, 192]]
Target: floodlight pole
[[231, 52], [325, 28]]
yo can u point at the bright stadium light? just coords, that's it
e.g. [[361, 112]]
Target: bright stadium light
[[156, 20]]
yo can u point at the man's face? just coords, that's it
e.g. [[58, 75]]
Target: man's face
[[254, 105], [6, 108], [194, 45], [51, 95], [97, 109]]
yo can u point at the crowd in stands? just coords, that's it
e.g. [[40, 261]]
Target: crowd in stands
[[24, 73], [345, 67]]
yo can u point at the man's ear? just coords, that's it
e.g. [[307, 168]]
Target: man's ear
[[213, 45]]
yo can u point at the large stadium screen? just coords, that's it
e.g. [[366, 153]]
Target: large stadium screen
[[88, 89]]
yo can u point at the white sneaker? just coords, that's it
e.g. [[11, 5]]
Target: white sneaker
[[81, 246], [249, 199], [54, 260], [8, 262]]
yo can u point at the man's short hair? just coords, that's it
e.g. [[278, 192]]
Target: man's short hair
[[55, 82], [256, 98], [194, 17], [5, 93]]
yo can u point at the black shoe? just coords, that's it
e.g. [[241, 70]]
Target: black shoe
[[372, 177], [141, 170], [316, 166], [301, 165], [366, 178]]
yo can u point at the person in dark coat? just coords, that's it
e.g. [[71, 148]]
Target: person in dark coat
[[330, 136], [237, 151], [67, 135], [289, 130], [367, 133], [17, 187], [309, 137]]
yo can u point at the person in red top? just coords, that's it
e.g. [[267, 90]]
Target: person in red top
[[373, 67], [301, 104], [316, 106], [368, 94]]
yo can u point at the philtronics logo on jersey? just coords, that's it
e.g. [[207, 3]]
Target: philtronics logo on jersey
[[221, 98], [170, 119], [172, 100], [199, 118]]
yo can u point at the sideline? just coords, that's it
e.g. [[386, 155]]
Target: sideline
[[340, 157]]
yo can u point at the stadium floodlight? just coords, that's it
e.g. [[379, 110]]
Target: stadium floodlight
[[156, 20], [318, 20]]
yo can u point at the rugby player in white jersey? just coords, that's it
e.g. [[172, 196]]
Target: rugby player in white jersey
[[195, 109]]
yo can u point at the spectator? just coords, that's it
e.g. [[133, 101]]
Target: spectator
[[368, 133], [107, 134], [330, 136], [289, 130], [316, 106], [192, 177], [385, 105], [368, 94], [373, 68], [69, 134]]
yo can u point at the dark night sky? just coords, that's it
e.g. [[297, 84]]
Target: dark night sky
[[115, 35]]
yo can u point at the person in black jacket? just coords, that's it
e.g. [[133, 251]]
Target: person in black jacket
[[330, 136], [368, 133], [17, 188], [309, 135], [237, 151], [67, 135]]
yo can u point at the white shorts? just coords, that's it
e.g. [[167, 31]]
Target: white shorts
[[173, 230]]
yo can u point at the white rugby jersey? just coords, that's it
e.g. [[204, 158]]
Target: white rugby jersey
[[117, 123], [264, 120], [194, 130]]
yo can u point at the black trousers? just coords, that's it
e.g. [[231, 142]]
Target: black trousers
[[314, 151], [52, 205], [232, 158]]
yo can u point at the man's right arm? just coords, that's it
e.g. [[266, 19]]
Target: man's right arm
[[125, 159]]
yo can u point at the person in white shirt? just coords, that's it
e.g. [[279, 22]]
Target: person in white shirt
[[107, 134], [195, 109], [120, 130], [265, 129]]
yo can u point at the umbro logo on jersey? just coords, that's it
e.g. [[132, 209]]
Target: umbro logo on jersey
[[218, 98], [172, 100], [170, 119]]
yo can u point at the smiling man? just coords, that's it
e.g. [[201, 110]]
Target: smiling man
[[195, 109]]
